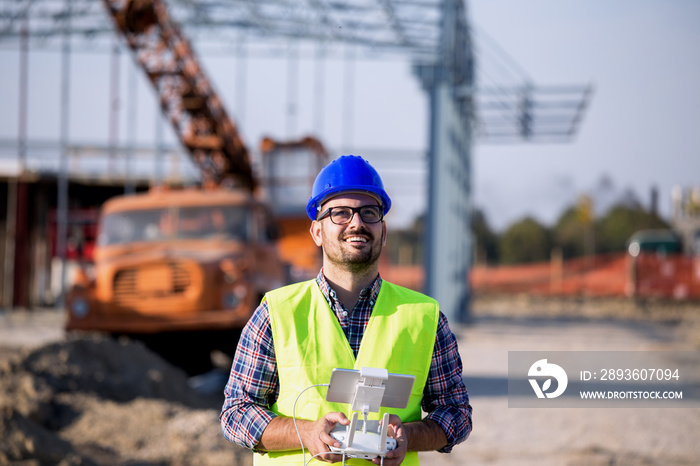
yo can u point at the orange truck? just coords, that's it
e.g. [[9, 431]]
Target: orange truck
[[181, 268]]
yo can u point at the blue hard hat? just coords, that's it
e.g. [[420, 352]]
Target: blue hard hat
[[347, 174]]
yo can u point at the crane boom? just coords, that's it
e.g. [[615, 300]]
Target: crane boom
[[186, 95]]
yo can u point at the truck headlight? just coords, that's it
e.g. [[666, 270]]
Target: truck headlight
[[233, 298], [79, 307], [230, 300]]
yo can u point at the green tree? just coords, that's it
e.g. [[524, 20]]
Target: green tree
[[485, 240], [574, 232], [569, 233], [525, 241], [405, 247], [620, 222]]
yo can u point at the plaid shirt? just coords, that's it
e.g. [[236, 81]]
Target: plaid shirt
[[253, 384]]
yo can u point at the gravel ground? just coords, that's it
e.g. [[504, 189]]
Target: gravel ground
[[575, 436], [93, 400]]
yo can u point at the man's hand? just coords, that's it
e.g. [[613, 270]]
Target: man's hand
[[281, 435], [396, 431], [316, 436], [425, 435]]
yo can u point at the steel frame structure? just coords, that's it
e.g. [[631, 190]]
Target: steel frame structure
[[507, 105], [433, 34], [394, 26]]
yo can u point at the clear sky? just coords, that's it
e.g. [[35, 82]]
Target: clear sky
[[641, 130]]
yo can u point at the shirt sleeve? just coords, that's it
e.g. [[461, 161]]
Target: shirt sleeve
[[445, 396], [253, 384]]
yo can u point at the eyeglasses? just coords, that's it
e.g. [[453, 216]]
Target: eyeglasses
[[342, 215]]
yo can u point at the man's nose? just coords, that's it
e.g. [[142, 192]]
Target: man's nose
[[356, 220]]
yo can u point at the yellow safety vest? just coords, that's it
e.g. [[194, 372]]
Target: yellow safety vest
[[309, 344]]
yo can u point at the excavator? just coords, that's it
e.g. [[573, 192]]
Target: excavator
[[182, 270]]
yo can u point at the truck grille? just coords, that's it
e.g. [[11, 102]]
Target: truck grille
[[133, 285]]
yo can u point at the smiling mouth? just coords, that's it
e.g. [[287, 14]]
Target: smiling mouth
[[356, 240]]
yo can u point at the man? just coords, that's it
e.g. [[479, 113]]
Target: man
[[347, 317]]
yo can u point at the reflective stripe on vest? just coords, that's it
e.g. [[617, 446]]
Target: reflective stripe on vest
[[309, 344]]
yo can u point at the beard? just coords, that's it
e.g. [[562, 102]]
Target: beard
[[349, 257]]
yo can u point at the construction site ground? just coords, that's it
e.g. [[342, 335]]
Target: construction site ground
[[93, 400]]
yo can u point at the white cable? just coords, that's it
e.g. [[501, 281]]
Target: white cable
[[324, 453], [294, 420]]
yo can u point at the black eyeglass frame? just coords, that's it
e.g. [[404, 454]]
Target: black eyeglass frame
[[355, 210]]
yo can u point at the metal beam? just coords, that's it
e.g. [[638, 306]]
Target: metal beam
[[448, 238]]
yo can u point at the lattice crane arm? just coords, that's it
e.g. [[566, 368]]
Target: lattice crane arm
[[185, 93]]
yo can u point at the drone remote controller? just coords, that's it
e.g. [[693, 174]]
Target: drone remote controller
[[366, 391], [358, 442]]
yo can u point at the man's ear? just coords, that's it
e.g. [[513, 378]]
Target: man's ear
[[315, 231], [383, 233]]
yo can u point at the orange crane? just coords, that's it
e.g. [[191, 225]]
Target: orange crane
[[186, 95]]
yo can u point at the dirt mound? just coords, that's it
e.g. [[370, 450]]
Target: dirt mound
[[110, 369], [95, 400]]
